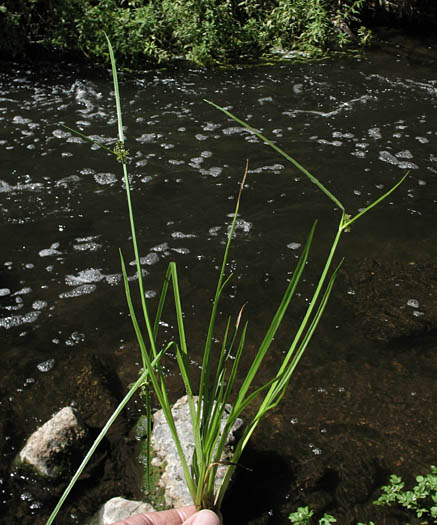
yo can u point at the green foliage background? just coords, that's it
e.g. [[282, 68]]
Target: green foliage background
[[156, 31], [145, 32]]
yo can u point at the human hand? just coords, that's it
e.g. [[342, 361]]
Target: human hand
[[182, 516]]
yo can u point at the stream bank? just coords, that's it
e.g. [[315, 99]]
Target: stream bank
[[154, 33]]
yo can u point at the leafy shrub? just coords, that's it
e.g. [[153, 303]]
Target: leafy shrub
[[11, 42], [155, 31], [420, 500]]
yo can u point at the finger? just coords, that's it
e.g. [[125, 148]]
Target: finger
[[203, 517], [165, 517]]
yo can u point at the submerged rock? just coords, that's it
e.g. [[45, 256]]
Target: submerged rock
[[393, 300], [95, 391], [50, 449], [167, 467]]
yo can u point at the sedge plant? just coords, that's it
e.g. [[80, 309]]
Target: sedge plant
[[214, 406]]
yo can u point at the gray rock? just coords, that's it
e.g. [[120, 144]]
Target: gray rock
[[117, 509], [49, 448], [176, 493]]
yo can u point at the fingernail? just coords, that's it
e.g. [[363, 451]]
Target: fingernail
[[206, 517]]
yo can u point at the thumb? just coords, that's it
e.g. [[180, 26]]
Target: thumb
[[203, 517]]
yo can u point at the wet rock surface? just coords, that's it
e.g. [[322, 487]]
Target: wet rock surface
[[94, 390], [49, 450], [172, 480], [117, 509]]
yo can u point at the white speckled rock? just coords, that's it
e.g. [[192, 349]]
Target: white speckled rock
[[117, 509], [176, 493], [48, 447]]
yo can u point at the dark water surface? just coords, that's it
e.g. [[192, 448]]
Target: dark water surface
[[361, 405]]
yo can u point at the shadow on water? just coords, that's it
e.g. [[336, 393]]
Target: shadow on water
[[361, 404], [260, 486]]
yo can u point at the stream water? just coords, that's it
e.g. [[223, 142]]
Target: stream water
[[362, 399]]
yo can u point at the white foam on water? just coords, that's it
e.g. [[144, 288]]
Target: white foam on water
[[149, 259], [39, 305], [91, 275], [77, 292], [180, 235], [5, 187], [46, 366], [87, 246], [105, 178], [53, 250], [182, 251], [414, 303], [160, 247], [18, 320]]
